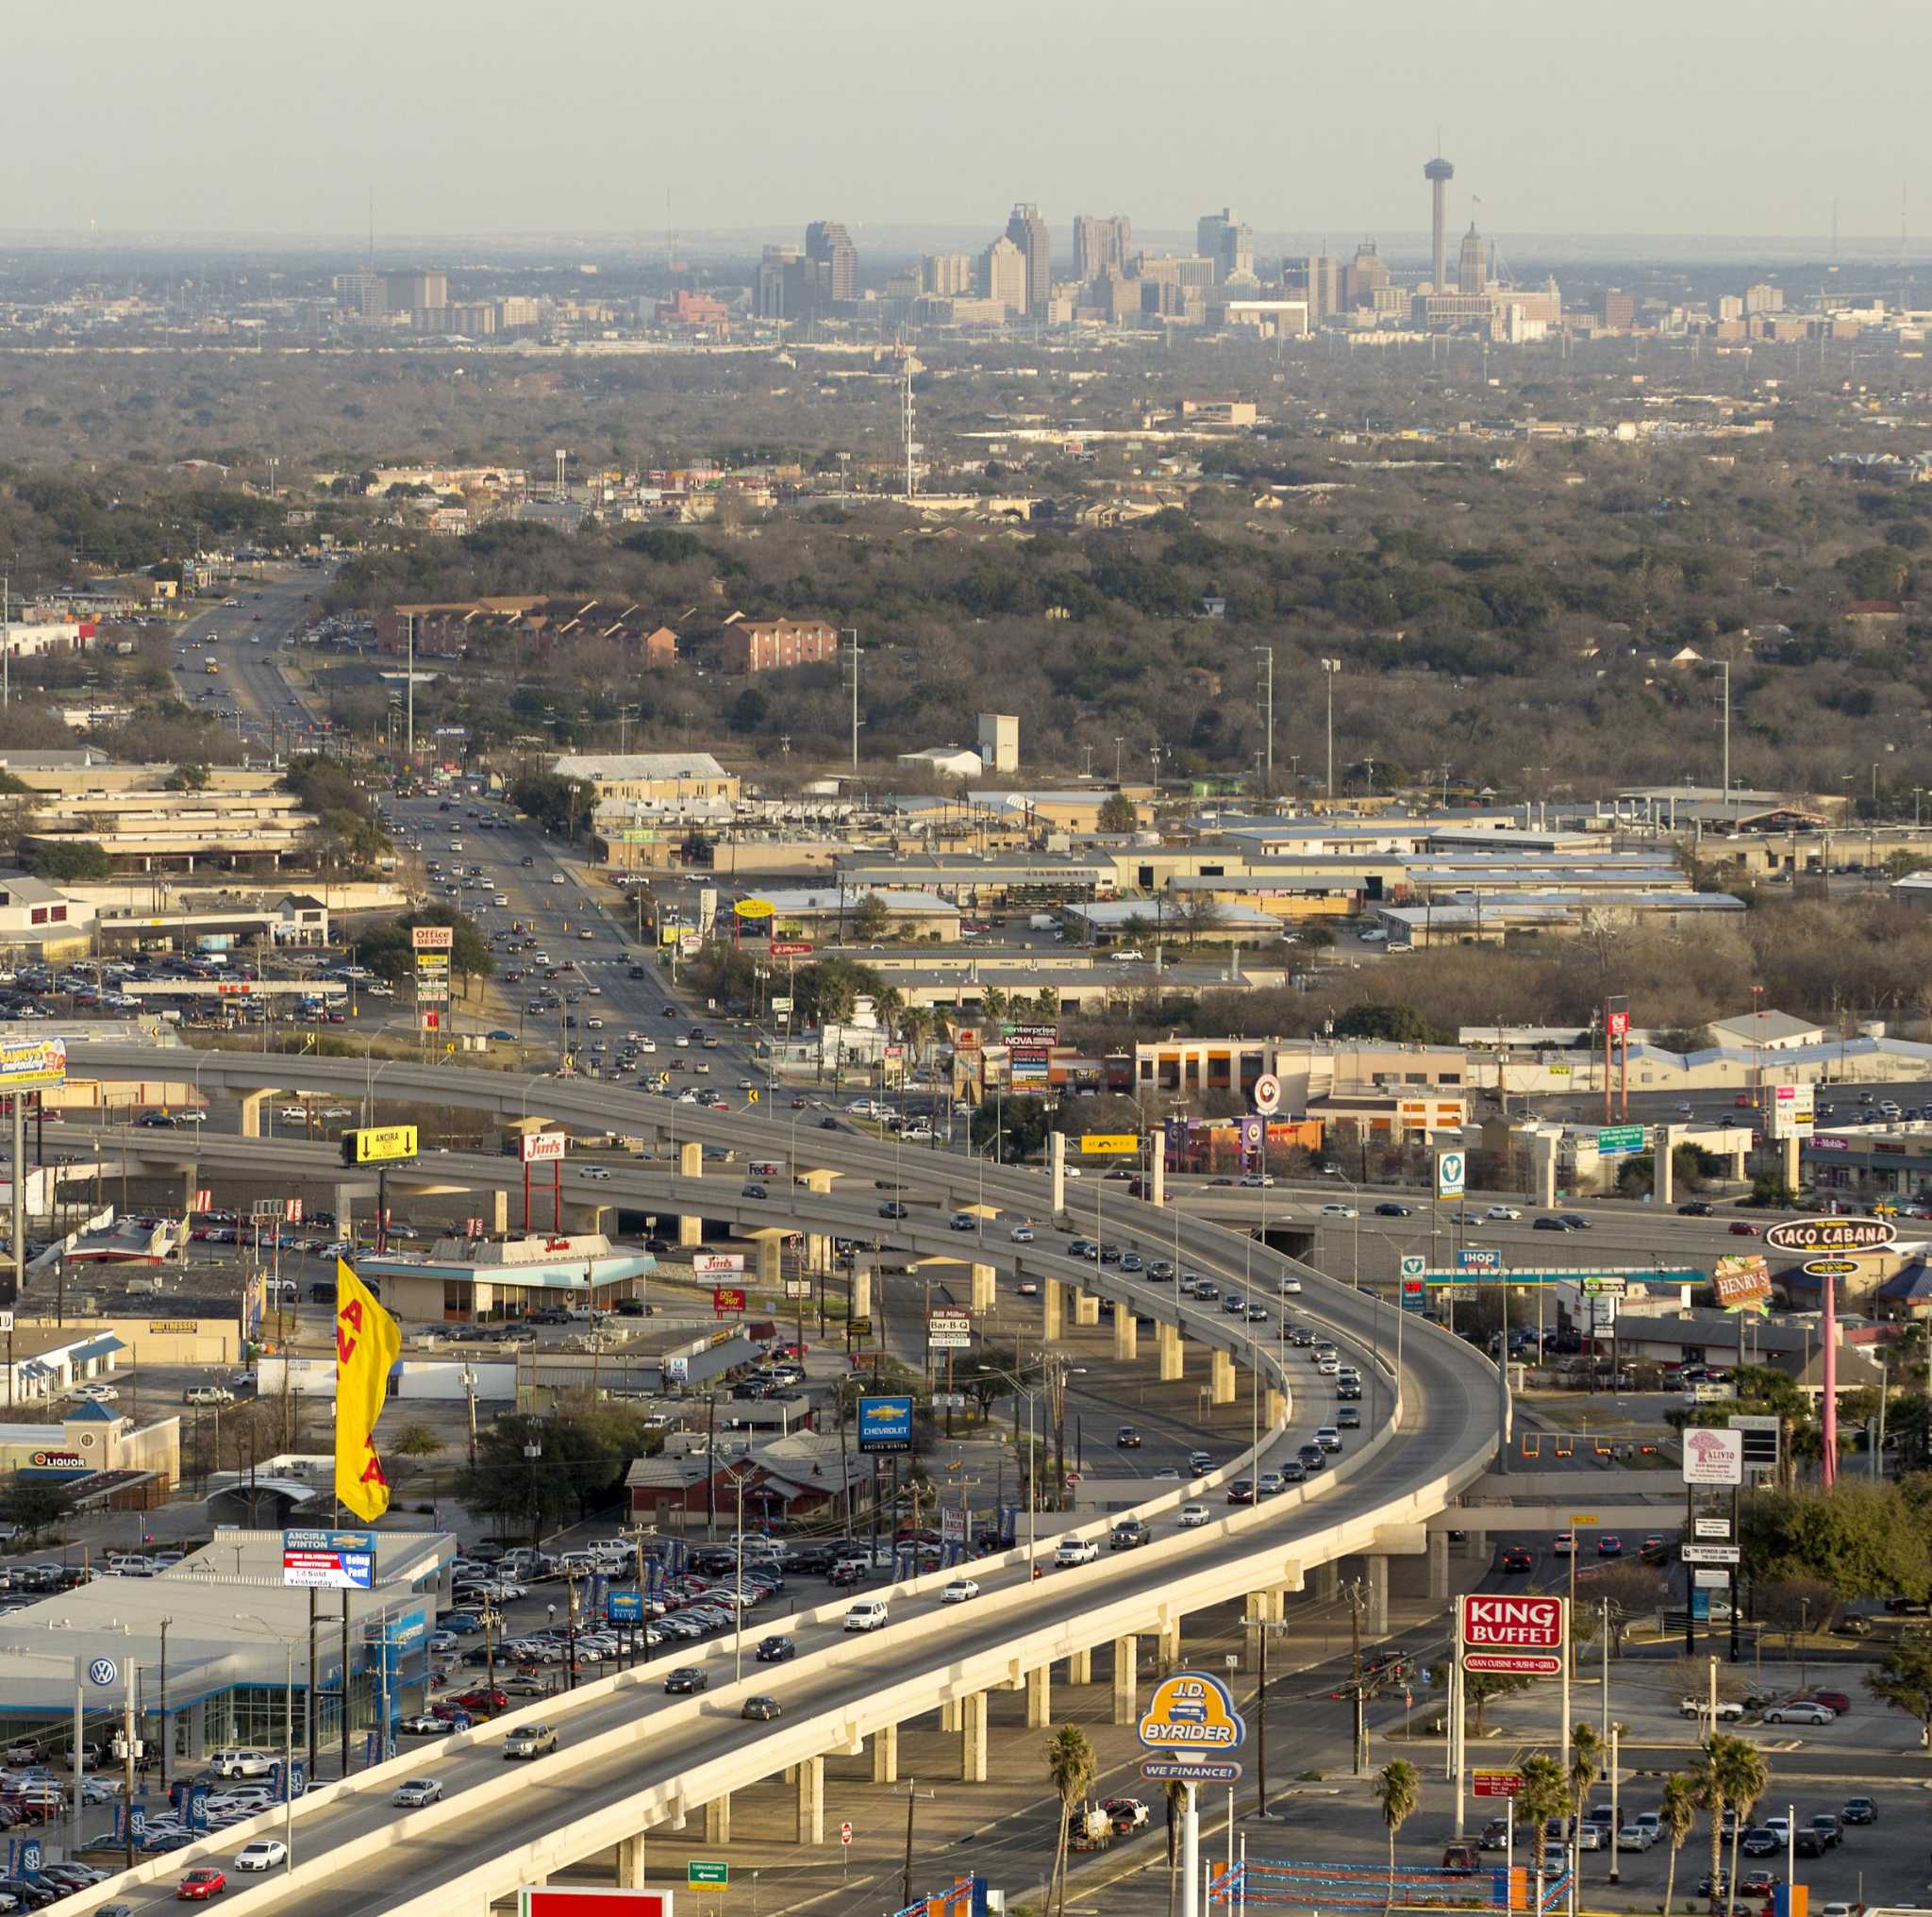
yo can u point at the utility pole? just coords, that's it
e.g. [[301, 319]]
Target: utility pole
[[409, 733], [1725, 666], [1329, 668], [851, 632], [913, 1797], [1266, 654]]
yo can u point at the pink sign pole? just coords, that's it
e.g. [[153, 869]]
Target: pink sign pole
[[1828, 1412]]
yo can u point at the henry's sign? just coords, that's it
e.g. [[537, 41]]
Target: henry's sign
[[1522, 1637], [1831, 1234]]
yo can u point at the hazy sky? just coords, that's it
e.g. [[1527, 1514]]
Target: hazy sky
[[479, 116]]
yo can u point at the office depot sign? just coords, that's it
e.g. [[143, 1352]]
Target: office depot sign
[[1522, 1637]]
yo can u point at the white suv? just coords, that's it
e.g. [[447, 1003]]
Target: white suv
[[240, 1763], [868, 1614]]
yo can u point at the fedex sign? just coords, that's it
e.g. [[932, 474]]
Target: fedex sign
[[1522, 1637]]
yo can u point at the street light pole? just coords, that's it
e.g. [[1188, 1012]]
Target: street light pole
[[1329, 668]]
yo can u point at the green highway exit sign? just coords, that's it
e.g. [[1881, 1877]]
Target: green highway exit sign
[[1619, 1137], [707, 1871]]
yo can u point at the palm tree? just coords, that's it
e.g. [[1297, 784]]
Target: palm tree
[[1070, 1763], [1746, 1779], [1676, 1811], [1541, 1798], [1586, 1763], [1176, 1809], [1398, 1790], [1707, 1785]]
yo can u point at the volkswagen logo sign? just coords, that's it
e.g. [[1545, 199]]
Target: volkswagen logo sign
[[102, 1671]]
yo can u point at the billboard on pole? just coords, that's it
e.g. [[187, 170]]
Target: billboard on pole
[[1520, 1637]]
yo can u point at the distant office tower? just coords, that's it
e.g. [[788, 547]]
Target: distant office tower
[[1101, 241], [409, 292], [1321, 277], [828, 245], [1027, 231], [1003, 274], [361, 293], [1438, 173], [1470, 277], [1227, 241], [782, 284], [1763, 298], [1729, 307], [1364, 276], [1619, 308], [949, 276]]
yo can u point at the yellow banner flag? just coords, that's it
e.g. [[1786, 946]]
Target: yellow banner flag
[[367, 1345]]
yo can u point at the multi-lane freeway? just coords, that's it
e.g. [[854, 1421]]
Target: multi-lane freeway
[[244, 642]]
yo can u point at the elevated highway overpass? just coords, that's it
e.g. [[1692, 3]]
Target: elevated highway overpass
[[631, 1758]]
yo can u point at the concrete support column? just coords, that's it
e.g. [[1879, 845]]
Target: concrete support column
[[718, 1820], [1125, 1706], [1054, 1298], [812, 1801], [949, 1714], [1156, 1160], [1438, 1567], [1081, 1667], [344, 1202], [818, 1251], [861, 1291], [1276, 1412], [771, 1262], [1327, 1581], [1788, 1149], [690, 1231], [600, 1218], [973, 1738], [1258, 1606], [691, 1158], [984, 1288], [188, 1188], [1740, 1158], [1167, 1644], [1171, 1362], [499, 1212], [1039, 1697], [1057, 1163], [1126, 1334], [1376, 1608], [1085, 1307], [885, 1755], [1221, 1378], [1543, 1168], [1662, 1190], [252, 1103], [630, 1863], [817, 1180]]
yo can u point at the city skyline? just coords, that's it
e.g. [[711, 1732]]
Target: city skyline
[[1677, 123]]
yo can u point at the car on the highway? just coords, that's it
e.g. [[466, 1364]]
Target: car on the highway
[[1517, 1558], [261, 1853], [1563, 1544], [1072, 1551], [1240, 1491], [1389, 1208], [868, 1614], [1339, 1210], [1189, 1516], [599, 1171], [761, 1709], [1021, 1234], [1550, 1224], [959, 1591], [1697, 1207], [1291, 1287], [198, 1886], [1742, 1227], [776, 1650], [530, 1741], [962, 1221], [752, 1192], [1129, 1534], [1502, 1214], [1126, 1439], [1610, 1545], [1311, 1458], [687, 1680]]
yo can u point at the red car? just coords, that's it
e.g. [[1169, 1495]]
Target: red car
[[1832, 1700], [197, 1887], [1740, 1228]]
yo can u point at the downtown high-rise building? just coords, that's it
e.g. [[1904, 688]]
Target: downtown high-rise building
[[1226, 239], [829, 247], [1027, 230], [946, 275], [1102, 242], [1003, 276], [1471, 275]]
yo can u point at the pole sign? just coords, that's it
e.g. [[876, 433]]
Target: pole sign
[[1710, 1554], [791, 948], [27, 1062], [379, 1144], [712, 1264], [1612, 1139], [539, 1147], [1479, 1258], [884, 1423], [1452, 1168], [727, 1298], [1106, 1144], [1520, 1636], [949, 1330], [1192, 1718], [1830, 1268], [1713, 1458], [329, 1560], [625, 1606], [432, 938], [1268, 1094], [1496, 1783], [1831, 1234]]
